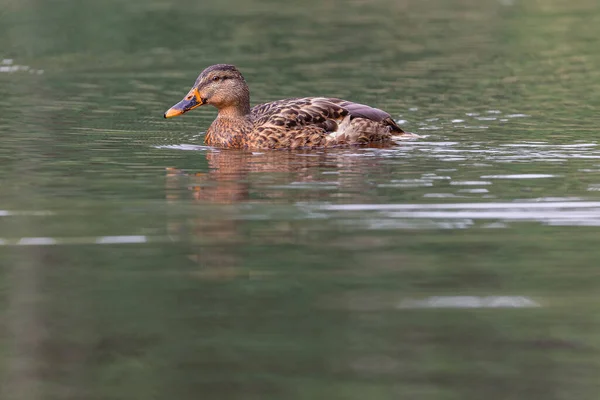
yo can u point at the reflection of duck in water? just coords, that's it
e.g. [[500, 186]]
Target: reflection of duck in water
[[235, 176], [291, 123], [209, 209]]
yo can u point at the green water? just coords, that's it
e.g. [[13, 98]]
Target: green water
[[136, 263]]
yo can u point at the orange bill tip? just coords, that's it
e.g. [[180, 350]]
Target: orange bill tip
[[173, 112]]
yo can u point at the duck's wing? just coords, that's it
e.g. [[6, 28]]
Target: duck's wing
[[357, 110], [324, 112], [299, 113], [319, 121]]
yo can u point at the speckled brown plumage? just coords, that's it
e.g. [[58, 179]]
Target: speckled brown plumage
[[292, 123]]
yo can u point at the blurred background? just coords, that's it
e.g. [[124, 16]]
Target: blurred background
[[136, 263]]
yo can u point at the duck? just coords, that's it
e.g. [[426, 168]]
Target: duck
[[296, 123]]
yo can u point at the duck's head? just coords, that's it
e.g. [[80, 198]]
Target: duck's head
[[221, 86]]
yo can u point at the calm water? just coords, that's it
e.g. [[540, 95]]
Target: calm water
[[135, 263]]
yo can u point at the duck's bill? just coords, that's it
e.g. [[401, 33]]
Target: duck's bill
[[191, 101]]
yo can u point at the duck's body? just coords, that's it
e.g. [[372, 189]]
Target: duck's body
[[291, 123], [303, 122]]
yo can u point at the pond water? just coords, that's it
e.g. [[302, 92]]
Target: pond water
[[137, 263]]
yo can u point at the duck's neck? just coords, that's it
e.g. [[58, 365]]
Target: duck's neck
[[233, 122], [235, 111]]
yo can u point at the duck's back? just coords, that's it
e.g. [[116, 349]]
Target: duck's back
[[297, 112], [319, 121]]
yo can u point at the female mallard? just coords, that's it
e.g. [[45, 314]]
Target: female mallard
[[291, 123]]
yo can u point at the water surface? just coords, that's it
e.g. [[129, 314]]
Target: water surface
[[138, 263]]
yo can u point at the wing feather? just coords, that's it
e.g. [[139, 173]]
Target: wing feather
[[318, 121], [300, 112]]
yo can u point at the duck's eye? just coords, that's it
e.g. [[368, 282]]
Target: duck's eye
[[216, 78]]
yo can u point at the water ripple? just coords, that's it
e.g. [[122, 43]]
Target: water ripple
[[464, 215]]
